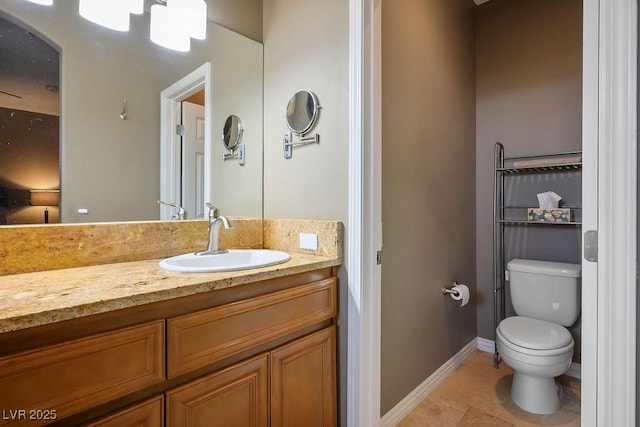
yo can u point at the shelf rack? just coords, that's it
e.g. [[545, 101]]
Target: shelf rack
[[504, 166]]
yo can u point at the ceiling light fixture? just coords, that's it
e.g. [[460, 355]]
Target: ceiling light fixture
[[174, 25], [173, 22], [113, 14], [192, 14], [42, 2], [166, 31]]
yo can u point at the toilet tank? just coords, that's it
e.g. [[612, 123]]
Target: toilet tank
[[545, 290]]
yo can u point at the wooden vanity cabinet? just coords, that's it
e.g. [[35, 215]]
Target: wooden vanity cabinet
[[302, 371], [302, 389], [261, 354]]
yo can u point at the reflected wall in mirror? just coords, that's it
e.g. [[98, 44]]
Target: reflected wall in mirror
[[111, 167], [29, 125]]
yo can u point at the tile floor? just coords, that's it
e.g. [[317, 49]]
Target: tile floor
[[476, 394]]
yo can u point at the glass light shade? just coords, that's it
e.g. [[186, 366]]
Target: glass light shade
[[113, 14], [42, 2], [166, 31], [136, 6], [193, 16], [45, 197]]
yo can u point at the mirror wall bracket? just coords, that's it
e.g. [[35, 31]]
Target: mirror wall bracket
[[302, 114], [288, 143], [235, 154]]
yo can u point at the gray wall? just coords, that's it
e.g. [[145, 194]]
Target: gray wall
[[428, 172], [306, 46], [529, 96]]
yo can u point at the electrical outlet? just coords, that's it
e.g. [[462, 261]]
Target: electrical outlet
[[309, 241]]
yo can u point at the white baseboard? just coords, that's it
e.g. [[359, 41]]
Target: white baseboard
[[486, 345], [413, 399]]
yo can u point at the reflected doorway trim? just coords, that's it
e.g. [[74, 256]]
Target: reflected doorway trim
[[170, 117]]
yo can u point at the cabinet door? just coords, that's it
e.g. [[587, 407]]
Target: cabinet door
[[303, 382], [234, 397], [149, 413]]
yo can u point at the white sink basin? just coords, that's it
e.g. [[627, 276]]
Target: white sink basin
[[235, 259]]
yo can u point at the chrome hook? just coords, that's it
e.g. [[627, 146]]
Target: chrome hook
[[123, 115]]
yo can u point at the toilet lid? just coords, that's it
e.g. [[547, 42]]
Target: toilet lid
[[534, 334]]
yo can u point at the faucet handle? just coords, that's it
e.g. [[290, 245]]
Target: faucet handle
[[213, 211], [180, 215]]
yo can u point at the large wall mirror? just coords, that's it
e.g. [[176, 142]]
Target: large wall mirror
[[110, 166]]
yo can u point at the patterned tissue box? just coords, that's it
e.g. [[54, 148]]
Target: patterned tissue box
[[549, 215]]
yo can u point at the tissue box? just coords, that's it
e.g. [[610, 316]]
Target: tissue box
[[549, 215]]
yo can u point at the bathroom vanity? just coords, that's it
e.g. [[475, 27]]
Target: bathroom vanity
[[130, 344]]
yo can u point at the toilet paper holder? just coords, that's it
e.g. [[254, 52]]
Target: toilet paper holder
[[451, 291]]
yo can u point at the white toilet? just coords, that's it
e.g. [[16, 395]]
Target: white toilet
[[535, 343]]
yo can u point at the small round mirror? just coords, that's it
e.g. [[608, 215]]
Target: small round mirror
[[302, 112], [232, 132]]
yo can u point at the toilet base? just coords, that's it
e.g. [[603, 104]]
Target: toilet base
[[534, 394]]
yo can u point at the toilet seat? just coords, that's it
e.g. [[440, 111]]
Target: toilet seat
[[534, 337]]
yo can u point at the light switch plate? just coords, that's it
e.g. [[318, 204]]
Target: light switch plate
[[309, 241]]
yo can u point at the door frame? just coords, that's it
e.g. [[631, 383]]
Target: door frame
[[610, 207], [609, 201], [170, 142]]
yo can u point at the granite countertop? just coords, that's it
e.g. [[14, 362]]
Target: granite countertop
[[35, 299]]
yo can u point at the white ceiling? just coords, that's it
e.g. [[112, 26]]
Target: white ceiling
[[479, 2]]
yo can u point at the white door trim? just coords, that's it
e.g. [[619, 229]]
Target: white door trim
[[590, 209], [364, 222], [615, 299], [170, 117]]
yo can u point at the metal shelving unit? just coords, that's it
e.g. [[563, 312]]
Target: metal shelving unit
[[504, 166]]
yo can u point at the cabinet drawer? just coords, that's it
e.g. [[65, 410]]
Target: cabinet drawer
[[76, 375], [235, 396], [201, 338], [146, 414]]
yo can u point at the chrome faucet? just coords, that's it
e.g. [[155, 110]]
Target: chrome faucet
[[214, 231], [180, 215]]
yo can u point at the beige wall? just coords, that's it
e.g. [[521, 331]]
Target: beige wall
[[306, 46], [529, 67], [428, 172]]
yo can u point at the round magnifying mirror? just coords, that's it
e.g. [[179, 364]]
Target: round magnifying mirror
[[302, 112], [232, 132]]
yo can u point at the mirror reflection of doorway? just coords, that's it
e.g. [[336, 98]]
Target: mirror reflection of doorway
[[29, 127], [193, 123]]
